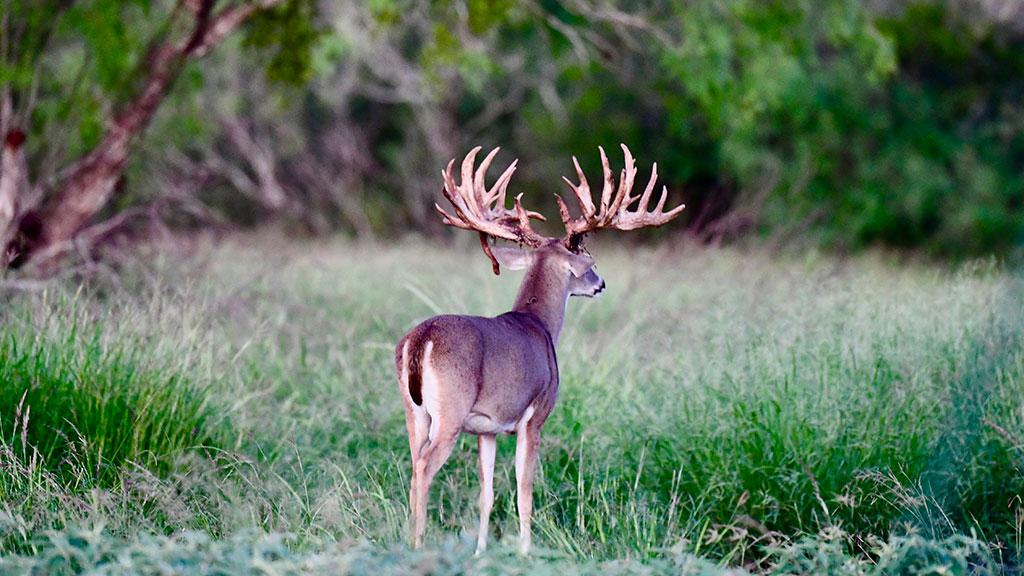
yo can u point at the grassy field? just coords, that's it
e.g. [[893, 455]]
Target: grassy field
[[719, 411]]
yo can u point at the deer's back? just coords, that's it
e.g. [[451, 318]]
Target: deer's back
[[504, 364]]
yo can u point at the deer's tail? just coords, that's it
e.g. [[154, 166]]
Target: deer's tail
[[409, 363]]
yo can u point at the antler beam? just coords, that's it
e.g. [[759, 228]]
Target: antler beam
[[483, 210]]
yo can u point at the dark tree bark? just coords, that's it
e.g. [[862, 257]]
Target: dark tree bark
[[13, 182], [47, 234]]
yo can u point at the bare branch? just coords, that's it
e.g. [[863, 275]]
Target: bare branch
[[209, 33]]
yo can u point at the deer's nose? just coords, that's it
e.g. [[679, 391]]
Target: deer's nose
[[599, 288]]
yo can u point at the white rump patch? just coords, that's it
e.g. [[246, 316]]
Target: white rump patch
[[429, 389], [404, 376]]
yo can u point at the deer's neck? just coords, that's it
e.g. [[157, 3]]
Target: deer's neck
[[545, 295]]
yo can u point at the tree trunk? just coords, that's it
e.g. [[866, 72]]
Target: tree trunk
[[93, 178], [13, 182]]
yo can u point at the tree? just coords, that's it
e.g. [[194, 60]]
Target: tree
[[119, 79]]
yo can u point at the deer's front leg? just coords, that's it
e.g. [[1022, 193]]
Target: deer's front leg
[[488, 447], [527, 442]]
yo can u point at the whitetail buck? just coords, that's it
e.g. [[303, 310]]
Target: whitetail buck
[[488, 376]]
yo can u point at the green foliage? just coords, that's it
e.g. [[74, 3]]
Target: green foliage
[[928, 159], [387, 12], [484, 15], [900, 130], [286, 36], [739, 61], [68, 61], [110, 37]]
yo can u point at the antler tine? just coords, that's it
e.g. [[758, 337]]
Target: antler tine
[[646, 197], [450, 192], [563, 210], [498, 190], [523, 216], [582, 191], [478, 177], [467, 176], [661, 201], [609, 183], [626, 177], [448, 189], [614, 210]]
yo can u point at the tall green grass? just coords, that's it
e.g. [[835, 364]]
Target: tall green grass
[[85, 398], [97, 398], [715, 403]]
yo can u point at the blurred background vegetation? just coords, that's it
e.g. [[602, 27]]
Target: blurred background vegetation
[[203, 398], [842, 123]]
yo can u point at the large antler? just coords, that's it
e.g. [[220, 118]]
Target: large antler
[[477, 208], [614, 211]]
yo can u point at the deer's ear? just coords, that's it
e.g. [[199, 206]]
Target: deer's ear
[[580, 263], [512, 258]]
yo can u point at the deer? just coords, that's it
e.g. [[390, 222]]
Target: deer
[[490, 376]]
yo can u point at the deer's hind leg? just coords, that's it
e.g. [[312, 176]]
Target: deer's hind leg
[[446, 405], [417, 423], [527, 444], [425, 468]]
